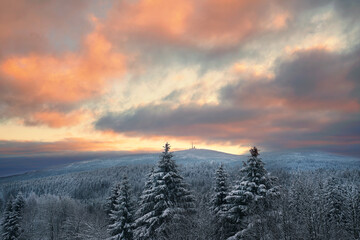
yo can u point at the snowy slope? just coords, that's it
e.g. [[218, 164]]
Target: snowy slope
[[309, 161], [273, 160], [181, 157]]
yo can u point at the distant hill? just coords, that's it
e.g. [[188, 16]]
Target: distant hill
[[273, 160], [309, 160]]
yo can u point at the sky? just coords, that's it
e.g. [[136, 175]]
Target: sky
[[222, 74]]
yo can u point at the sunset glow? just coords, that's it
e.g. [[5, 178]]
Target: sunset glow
[[224, 75]]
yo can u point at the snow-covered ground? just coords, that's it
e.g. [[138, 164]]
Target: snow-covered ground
[[273, 160]]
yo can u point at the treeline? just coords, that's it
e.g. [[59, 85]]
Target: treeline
[[202, 201]]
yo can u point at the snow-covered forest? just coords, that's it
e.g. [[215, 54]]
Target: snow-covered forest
[[196, 200]]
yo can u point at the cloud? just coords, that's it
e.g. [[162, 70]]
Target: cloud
[[215, 33], [9, 148], [209, 25], [282, 71], [204, 24], [53, 61], [41, 87], [314, 79], [310, 97], [56, 119], [41, 26], [163, 120], [348, 9]]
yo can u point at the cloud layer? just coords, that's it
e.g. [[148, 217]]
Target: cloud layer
[[45, 89], [311, 99], [280, 74]]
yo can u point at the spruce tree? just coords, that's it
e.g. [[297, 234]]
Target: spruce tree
[[250, 196], [11, 223], [218, 202], [220, 190], [17, 213], [122, 215], [335, 201], [6, 221], [111, 201], [166, 202], [146, 207]]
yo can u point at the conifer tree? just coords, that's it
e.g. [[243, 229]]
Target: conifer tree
[[335, 201], [252, 194], [220, 189], [6, 221], [122, 215], [12, 218], [17, 213], [352, 210], [218, 202], [111, 201], [146, 207], [166, 201]]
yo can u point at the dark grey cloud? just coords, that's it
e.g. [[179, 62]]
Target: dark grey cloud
[[348, 9], [182, 121], [314, 79]]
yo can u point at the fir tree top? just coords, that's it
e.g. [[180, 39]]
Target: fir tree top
[[254, 152], [166, 153], [254, 168], [166, 164]]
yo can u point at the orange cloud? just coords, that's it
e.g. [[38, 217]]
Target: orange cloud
[[67, 145], [40, 81], [41, 26], [158, 15], [228, 22], [329, 44], [252, 71], [56, 119], [66, 79], [279, 20], [204, 23]]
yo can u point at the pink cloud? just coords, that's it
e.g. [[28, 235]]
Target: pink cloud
[[27, 26], [203, 24], [36, 81]]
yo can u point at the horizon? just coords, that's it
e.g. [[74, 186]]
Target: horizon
[[15, 154], [53, 160], [95, 76]]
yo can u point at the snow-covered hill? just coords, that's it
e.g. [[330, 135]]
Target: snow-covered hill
[[309, 161], [98, 162], [273, 160]]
